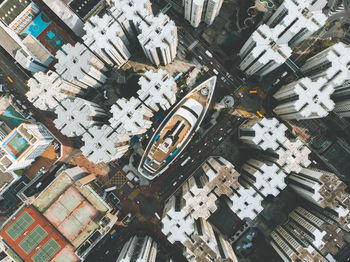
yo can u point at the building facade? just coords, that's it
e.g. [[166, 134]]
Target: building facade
[[23, 145], [262, 53], [139, 249], [197, 11]]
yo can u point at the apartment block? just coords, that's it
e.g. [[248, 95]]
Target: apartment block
[[296, 151], [129, 14], [103, 144], [300, 18], [262, 53], [199, 202], [158, 90], [331, 63], [20, 147], [306, 236], [205, 245], [45, 90], [325, 190], [246, 203], [177, 223], [130, 116], [263, 133], [341, 98], [267, 178], [158, 39], [76, 116], [79, 66], [304, 99], [197, 11], [137, 249], [106, 38]]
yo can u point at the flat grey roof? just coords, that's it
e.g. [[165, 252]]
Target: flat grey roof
[[10, 9], [8, 43]]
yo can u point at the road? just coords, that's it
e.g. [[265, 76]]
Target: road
[[189, 38], [18, 75], [165, 185], [198, 50], [198, 151]]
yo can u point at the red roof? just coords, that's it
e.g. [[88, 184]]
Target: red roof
[[39, 220]]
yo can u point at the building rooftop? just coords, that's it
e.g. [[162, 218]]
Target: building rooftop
[[84, 8], [264, 133], [131, 10], [331, 63], [102, 31], [130, 116], [266, 40], [306, 16], [293, 156], [75, 116], [246, 203], [267, 178], [222, 176], [77, 63], [104, 144], [34, 239], [66, 15], [10, 9], [75, 211], [177, 224], [313, 99], [157, 88], [45, 90], [157, 31], [8, 43], [199, 202]]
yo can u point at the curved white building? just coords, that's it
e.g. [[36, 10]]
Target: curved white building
[[177, 129]]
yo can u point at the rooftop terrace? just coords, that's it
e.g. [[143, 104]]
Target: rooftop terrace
[[75, 211]]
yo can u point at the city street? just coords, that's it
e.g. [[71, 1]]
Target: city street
[[9, 69]]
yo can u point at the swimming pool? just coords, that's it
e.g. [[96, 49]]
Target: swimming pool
[[15, 145], [37, 26]]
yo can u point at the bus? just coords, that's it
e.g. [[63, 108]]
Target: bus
[[209, 54], [185, 161]]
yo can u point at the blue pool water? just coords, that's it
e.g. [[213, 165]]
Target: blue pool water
[[36, 27], [50, 35]]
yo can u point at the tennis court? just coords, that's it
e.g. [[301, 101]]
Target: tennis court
[[47, 251], [33, 239], [19, 226]]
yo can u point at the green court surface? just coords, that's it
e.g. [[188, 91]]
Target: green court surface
[[47, 251], [55, 39], [33, 239], [19, 226]]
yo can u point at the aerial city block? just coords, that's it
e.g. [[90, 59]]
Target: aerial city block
[[175, 130]]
